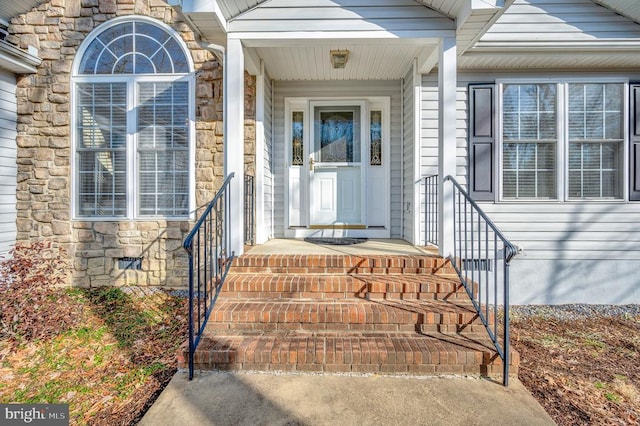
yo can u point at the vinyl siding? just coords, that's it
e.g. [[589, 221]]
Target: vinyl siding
[[575, 230], [268, 157], [572, 251], [552, 20], [354, 16], [8, 168], [337, 89]]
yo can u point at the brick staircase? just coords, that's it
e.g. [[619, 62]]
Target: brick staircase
[[334, 313]]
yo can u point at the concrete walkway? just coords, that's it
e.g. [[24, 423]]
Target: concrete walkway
[[216, 398]]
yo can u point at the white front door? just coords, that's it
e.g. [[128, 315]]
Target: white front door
[[335, 166], [337, 159]]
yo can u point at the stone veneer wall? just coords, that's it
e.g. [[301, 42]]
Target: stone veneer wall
[[57, 28]]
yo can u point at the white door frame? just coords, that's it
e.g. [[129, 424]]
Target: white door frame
[[300, 173]]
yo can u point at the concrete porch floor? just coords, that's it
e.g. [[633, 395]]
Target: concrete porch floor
[[372, 246]]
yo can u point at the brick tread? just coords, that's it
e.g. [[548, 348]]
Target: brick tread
[[267, 285], [343, 264], [241, 312]]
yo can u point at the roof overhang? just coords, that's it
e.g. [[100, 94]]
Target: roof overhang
[[568, 55], [387, 55], [211, 18]]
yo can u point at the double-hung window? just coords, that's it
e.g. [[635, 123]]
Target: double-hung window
[[133, 92], [529, 141], [557, 141], [596, 140]]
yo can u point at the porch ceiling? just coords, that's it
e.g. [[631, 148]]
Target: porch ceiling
[[388, 60]]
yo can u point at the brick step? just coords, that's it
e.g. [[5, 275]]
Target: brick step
[[341, 264], [344, 315], [372, 286], [350, 352]]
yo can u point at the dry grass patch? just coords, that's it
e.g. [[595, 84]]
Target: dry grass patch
[[109, 365]]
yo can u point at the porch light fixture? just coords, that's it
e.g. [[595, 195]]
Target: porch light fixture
[[339, 58]]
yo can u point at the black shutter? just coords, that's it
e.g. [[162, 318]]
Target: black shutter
[[481, 142], [634, 144]]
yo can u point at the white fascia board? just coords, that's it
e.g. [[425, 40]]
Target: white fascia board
[[261, 39], [631, 45], [189, 7], [491, 10], [474, 6], [17, 60]]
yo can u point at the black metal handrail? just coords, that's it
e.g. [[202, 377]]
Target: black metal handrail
[[478, 248], [249, 209], [210, 257], [431, 217]]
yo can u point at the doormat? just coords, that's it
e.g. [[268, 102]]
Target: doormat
[[344, 241]]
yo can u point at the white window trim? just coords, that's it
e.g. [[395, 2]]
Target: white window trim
[[131, 138], [562, 147]]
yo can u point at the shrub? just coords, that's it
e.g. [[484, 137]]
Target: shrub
[[32, 305]]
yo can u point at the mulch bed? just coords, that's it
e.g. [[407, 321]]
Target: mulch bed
[[582, 371]]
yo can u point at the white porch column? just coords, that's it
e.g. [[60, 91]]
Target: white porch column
[[261, 236], [447, 77], [234, 138]]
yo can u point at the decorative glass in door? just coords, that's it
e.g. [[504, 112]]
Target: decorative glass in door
[[335, 167]]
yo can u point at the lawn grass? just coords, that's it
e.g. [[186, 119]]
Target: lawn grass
[[117, 356]]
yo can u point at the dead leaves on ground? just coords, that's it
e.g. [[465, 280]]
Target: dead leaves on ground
[[582, 371]]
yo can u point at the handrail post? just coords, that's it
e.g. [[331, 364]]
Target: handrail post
[[208, 265], [474, 260], [191, 333], [507, 336]]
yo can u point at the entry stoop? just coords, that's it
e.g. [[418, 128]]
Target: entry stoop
[[346, 313]]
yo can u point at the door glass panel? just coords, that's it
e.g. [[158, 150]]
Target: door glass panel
[[376, 138], [337, 134], [297, 142]]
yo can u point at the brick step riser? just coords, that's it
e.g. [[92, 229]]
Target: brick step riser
[[284, 295], [329, 270], [423, 363], [313, 287], [342, 316], [475, 327], [390, 369], [341, 286]]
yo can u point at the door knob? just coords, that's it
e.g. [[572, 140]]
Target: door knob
[[311, 162]]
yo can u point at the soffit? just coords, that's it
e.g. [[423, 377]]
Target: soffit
[[628, 8], [11, 8]]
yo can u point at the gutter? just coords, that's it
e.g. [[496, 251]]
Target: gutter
[[620, 45], [17, 60]]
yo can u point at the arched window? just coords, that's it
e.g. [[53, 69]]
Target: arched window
[[133, 122]]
